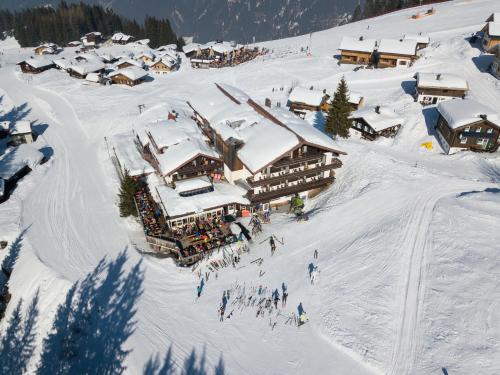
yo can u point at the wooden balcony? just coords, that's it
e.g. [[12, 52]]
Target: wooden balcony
[[195, 169], [289, 190], [301, 159], [336, 163]]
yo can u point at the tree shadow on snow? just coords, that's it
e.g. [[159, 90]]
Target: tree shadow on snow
[[319, 121], [47, 152], [93, 323], [192, 365], [16, 113], [38, 129], [473, 192], [18, 340]]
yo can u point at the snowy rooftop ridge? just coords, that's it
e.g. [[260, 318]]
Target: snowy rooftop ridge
[[441, 80], [406, 47], [38, 62], [357, 44], [132, 72], [422, 39], [310, 97], [128, 155], [458, 113]]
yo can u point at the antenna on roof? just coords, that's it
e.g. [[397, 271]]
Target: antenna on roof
[[484, 116], [361, 38], [438, 77], [377, 109]]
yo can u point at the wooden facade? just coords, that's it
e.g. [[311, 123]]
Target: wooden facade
[[481, 135], [121, 79], [391, 60], [427, 95], [367, 131], [160, 67], [355, 57], [27, 68]]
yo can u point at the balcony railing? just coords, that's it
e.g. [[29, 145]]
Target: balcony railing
[[288, 190], [199, 168], [301, 159], [336, 163]]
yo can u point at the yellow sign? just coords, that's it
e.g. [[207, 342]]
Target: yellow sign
[[427, 145]]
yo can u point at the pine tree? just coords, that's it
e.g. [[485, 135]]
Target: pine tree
[[357, 14], [338, 122], [128, 189]]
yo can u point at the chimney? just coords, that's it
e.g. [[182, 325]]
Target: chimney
[[361, 38], [484, 116], [267, 103], [377, 109], [438, 77]]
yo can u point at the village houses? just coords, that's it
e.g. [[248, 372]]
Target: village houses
[[491, 32], [357, 50], [393, 53], [302, 100]]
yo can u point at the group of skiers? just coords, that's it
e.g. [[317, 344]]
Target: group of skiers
[[276, 296]]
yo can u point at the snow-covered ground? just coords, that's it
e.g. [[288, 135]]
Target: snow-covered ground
[[407, 237]]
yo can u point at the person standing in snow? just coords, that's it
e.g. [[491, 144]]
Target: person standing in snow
[[221, 311], [276, 298], [284, 294], [272, 244], [316, 254]]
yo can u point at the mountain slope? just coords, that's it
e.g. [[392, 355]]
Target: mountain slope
[[240, 20]]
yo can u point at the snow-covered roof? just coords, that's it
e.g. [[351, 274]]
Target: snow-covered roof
[[355, 97], [75, 43], [191, 47], [89, 56], [38, 62], [179, 154], [167, 60], [310, 97], [119, 37], [17, 158], [441, 80], [132, 62], [64, 63], [167, 47], [304, 130], [383, 119], [421, 39], [262, 140], [357, 44], [84, 68], [93, 77], [223, 47], [106, 57], [494, 28], [406, 47], [132, 72], [146, 54], [166, 133], [192, 184], [128, 155], [20, 127], [458, 113], [223, 194]]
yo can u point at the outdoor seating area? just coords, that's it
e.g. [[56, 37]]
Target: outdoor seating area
[[150, 213], [204, 235]]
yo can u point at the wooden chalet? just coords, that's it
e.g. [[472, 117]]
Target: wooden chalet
[[122, 39], [173, 148], [162, 66], [356, 101], [82, 70], [131, 76], [375, 122], [467, 125], [47, 49], [357, 51], [302, 100], [392, 53], [279, 156], [75, 43], [432, 88], [35, 66], [92, 39], [127, 63], [146, 57], [491, 32]]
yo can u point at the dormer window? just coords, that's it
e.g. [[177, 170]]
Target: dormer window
[[478, 130]]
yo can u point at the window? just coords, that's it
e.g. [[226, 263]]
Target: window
[[489, 131], [478, 130], [463, 140], [481, 141], [402, 62], [467, 129]]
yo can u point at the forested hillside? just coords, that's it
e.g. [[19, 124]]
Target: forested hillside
[[65, 23]]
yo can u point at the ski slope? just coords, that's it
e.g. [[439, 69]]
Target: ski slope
[[409, 278]]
